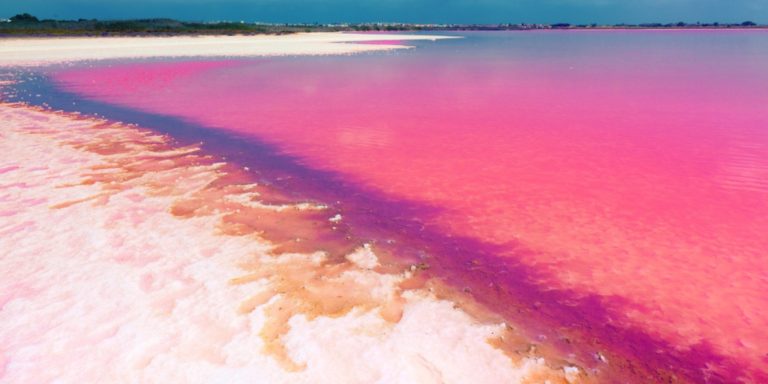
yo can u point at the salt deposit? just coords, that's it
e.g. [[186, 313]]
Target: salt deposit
[[106, 279], [37, 51]]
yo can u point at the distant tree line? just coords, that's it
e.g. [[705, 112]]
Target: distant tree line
[[26, 24], [24, 18]]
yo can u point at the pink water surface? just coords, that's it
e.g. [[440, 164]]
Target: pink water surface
[[632, 165]]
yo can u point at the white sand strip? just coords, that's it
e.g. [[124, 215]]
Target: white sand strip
[[102, 282], [35, 51]]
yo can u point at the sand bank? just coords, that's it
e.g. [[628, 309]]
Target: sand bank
[[118, 267], [35, 51]]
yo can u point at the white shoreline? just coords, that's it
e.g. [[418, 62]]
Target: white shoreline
[[41, 51], [104, 284]]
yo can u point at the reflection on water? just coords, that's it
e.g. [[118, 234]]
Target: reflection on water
[[625, 167]]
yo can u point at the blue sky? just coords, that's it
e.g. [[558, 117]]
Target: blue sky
[[470, 11]]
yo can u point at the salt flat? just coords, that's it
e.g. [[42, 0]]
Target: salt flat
[[106, 279], [37, 51]]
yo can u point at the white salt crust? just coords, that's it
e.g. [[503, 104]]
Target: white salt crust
[[123, 291], [39, 51]]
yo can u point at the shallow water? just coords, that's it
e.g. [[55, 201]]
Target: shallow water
[[609, 187]]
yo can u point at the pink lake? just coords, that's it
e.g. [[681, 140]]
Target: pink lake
[[628, 170]]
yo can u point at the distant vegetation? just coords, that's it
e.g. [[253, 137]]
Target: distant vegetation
[[28, 25]]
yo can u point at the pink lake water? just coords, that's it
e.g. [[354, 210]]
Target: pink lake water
[[626, 171]]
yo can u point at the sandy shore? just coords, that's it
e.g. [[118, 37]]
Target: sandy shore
[[118, 267], [35, 51]]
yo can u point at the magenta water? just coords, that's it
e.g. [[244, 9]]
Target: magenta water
[[614, 181]]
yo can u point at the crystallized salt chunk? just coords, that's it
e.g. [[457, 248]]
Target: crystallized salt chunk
[[364, 257], [571, 374]]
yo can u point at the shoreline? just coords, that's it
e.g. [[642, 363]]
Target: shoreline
[[523, 336], [113, 173], [475, 304], [17, 52], [128, 215]]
